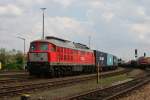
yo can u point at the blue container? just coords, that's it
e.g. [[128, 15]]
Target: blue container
[[109, 60], [100, 58]]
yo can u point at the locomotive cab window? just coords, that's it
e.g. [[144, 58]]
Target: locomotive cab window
[[53, 49], [33, 46], [43, 46]]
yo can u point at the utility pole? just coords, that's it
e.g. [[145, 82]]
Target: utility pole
[[24, 40], [43, 9], [98, 72], [89, 41]]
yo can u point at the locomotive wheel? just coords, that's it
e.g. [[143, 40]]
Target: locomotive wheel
[[52, 73], [69, 71], [59, 72], [30, 73]]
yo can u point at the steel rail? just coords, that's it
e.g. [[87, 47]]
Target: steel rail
[[112, 91], [56, 83]]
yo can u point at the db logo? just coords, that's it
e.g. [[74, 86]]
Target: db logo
[[82, 58]]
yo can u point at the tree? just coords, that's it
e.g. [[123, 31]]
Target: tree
[[11, 59], [3, 59], [19, 59]]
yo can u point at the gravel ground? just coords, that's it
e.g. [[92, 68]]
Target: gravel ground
[[142, 94], [55, 94], [81, 87], [136, 72]]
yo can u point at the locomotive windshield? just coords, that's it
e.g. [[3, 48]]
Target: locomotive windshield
[[43, 46], [39, 46], [33, 46]]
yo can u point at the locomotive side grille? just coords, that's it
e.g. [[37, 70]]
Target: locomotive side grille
[[38, 57]]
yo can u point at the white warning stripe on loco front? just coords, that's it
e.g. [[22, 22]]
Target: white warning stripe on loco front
[[38, 57]]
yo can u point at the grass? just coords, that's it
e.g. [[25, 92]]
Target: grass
[[110, 80], [77, 88]]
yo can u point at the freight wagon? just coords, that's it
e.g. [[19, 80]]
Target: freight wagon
[[143, 62], [105, 61]]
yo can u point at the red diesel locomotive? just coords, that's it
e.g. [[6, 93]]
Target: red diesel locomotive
[[56, 57]]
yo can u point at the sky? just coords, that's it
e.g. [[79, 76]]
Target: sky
[[115, 26]]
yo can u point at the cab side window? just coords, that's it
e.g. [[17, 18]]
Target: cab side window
[[53, 49]]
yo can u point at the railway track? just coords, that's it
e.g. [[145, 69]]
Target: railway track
[[24, 78], [12, 71], [113, 92], [15, 89], [17, 74], [9, 80]]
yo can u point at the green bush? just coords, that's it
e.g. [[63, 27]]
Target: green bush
[[11, 60], [14, 66]]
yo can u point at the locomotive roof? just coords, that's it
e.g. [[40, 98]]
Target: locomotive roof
[[65, 43]]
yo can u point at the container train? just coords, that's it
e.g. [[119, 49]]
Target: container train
[[54, 56]]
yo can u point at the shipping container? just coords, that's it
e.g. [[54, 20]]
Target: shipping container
[[100, 58], [115, 61], [109, 60]]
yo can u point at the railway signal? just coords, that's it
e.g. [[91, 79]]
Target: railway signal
[[136, 53], [144, 54]]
